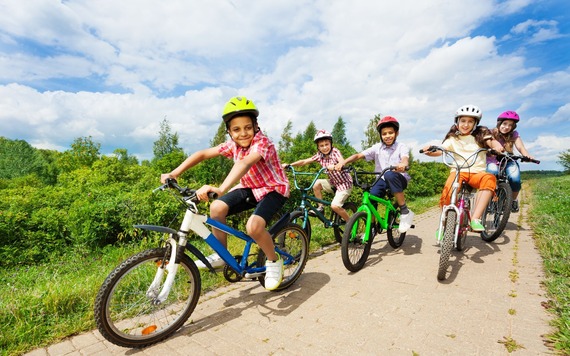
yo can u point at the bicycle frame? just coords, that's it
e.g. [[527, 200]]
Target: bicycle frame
[[198, 223], [306, 199], [459, 205], [367, 206]]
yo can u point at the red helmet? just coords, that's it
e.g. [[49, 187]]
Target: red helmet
[[388, 121]]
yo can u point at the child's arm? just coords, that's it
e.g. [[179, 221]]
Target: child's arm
[[401, 167], [239, 169], [520, 147], [190, 162], [350, 159], [301, 162], [430, 153]]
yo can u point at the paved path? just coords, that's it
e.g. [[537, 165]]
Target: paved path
[[394, 306]]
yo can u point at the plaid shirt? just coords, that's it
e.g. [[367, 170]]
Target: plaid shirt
[[266, 175], [340, 180]]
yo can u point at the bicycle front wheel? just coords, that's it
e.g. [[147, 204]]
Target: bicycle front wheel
[[395, 238], [446, 244], [497, 213], [298, 217], [354, 249], [339, 223], [293, 241], [126, 310]]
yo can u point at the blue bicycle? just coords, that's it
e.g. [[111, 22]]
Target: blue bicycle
[[151, 294]]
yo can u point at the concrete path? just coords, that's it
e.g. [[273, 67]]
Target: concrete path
[[394, 306]]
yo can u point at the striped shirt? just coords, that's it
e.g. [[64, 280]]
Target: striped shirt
[[266, 175], [340, 180]]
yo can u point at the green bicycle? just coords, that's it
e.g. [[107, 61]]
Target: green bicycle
[[361, 229]]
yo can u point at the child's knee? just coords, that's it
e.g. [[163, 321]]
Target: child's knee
[[218, 209]]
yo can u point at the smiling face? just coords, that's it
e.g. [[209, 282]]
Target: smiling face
[[242, 130], [506, 126], [388, 135], [324, 146], [466, 124]]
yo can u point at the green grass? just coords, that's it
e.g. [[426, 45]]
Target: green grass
[[550, 219]]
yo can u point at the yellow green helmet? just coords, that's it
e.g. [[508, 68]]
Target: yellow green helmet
[[239, 105]]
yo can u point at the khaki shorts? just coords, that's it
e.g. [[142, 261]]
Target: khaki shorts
[[339, 197]]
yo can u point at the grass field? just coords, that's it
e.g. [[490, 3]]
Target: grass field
[[550, 212], [42, 304]]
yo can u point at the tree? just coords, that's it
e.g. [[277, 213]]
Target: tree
[[124, 157], [286, 138], [83, 153], [339, 133], [565, 160], [167, 142], [371, 134], [18, 158]]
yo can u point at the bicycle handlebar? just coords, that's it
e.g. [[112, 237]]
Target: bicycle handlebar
[[513, 156], [184, 191]]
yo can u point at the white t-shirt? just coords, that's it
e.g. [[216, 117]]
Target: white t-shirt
[[465, 145]]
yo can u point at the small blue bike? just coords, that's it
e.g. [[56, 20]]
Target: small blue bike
[[151, 294]]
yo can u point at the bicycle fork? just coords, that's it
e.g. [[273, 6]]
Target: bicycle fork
[[170, 268]]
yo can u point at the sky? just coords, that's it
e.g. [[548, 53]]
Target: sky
[[114, 70]]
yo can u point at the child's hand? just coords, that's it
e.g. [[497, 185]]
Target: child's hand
[[165, 176], [400, 168], [202, 193], [338, 166]]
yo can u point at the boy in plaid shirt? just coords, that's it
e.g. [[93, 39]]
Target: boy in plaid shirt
[[261, 179], [328, 156]]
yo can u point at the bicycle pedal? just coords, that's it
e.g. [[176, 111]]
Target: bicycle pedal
[[253, 275]]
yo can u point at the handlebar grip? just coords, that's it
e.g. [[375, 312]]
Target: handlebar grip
[[212, 195]]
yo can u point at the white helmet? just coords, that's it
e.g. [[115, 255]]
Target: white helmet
[[322, 134], [469, 110]]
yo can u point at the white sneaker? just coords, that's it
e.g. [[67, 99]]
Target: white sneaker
[[273, 273], [214, 259], [406, 222]]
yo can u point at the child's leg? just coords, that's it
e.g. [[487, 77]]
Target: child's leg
[[486, 183], [338, 201], [318, 190], [397, 184], [257, 222], [514, 177]]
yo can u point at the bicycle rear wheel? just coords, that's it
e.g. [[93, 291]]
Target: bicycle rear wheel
[[446, 244], [339, 223], [126, 309], [395, 238], [292, 240], [497, 213], [298, 217], [354, 250]]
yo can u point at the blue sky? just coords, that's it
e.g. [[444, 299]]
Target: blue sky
[[113, 70]]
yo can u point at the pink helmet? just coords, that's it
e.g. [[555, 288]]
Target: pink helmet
[[509, 115]]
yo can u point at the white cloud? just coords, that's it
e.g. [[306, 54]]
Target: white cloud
[[299, 61]]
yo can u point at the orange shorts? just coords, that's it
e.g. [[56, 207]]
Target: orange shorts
[[481, 181]]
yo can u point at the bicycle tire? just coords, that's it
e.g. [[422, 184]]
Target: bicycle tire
[[354, 250], [446, 244], [462, 238], [338, 228], [124, 313], [497, 213], [293, 240], [298, 217], [395, 238]]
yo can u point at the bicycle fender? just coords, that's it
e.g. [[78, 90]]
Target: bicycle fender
[[193, 250], [280, 224], [157, 228]]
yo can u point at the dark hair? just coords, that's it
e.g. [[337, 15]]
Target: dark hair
[[481, 134], [508, 139], [251, 116]]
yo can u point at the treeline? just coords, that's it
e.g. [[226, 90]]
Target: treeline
[[84, 200]]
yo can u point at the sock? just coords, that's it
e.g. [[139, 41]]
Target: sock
[[404, 209]]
